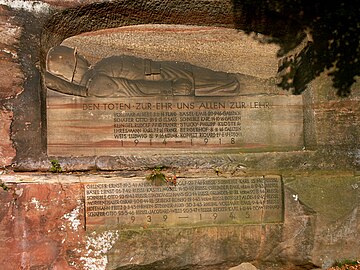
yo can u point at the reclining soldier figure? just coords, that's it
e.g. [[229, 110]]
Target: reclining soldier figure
[[70, 73]]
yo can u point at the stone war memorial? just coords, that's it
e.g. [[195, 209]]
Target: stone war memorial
[[155, 135]]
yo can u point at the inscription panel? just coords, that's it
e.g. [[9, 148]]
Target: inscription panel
[[110, 126], [135, 202]]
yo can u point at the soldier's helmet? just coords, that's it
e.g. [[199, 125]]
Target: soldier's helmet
[[66, 63]]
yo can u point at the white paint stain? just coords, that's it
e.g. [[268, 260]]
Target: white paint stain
[[73, 218], [31, 6], [296, 197], [97, 247], [37, 204]]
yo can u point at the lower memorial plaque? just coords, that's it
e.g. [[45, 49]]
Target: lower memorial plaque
[[138, 203]]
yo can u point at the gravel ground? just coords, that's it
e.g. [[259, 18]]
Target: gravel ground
[[346, 267]]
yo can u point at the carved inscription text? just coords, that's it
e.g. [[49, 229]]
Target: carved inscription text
[[79, 126], [191, 201]]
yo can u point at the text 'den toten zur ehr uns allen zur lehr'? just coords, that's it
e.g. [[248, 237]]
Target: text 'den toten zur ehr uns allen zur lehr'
[[106, 127]]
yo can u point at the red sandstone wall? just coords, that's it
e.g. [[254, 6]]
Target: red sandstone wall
[[41, 226], [11, 80]]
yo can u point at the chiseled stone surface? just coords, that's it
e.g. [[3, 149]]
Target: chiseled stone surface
[[210, 47], [11, 76], [337, 119], [341, 115], [7, 151]]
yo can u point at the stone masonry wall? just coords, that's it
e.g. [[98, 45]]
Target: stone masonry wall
[[42, 222]]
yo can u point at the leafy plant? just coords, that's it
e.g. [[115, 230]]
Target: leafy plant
[[158, 178], [4, 186], [55, 166]]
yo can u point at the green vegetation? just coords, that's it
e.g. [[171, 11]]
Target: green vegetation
[[346, 262], [4, 186], [55, 166], [329, 28], [157, 177]]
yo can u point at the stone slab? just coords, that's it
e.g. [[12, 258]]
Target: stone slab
[[197, 201], [90, 126]]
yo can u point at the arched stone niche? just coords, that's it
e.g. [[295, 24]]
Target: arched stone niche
[[206, 38], [231, 101]]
